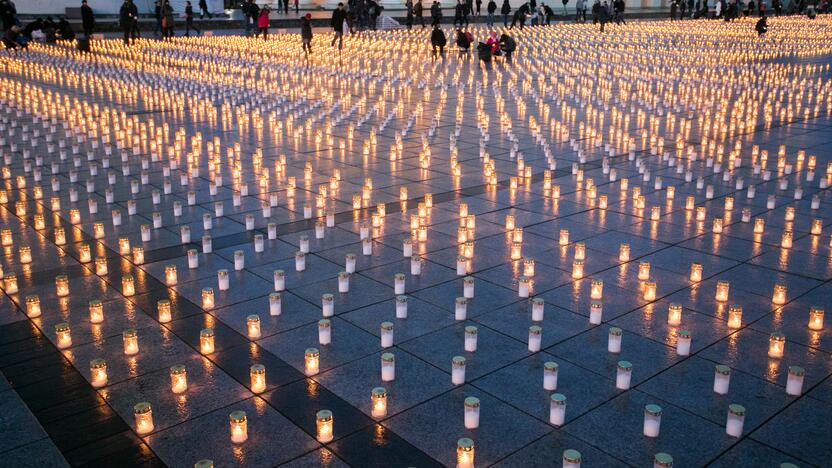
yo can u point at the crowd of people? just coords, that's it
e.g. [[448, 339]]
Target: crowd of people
[[16, 35]]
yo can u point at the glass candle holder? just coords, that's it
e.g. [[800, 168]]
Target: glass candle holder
[[557, 409], [223, 281], [538, 307], [138, 255], [468, 287], [458, 370], [460, 308], [84, 253], [143, 414], [624, 252], [722, 379], [716, 228], [816, 318], [193, 259], [378, 402], [343, 282], [328, 305], [62, 285], [735, 421], [470, 338], [324, 332], [649, 291], [776, 345], [178, 379], [130, 337], [238, 426], [596, 289], [170, 275], [662, 460], [207, 298], [253, 326], [696, 272], [528, 267], [98, 373], [817, 227], [652, 420], [128, 286], [563, 238], [550, 375], [465, 453], [163, 310], [516, 251], [779, 295], [722, 288], [300, 261], [206, 341], [25, 253], [401, 307], [388, 367], [580, 251], [324, 426], [63, 335], [794, 382], [614, 340], [416, 265], [311, 360], [386, 334], [33, 309], [257, 375], [735, 316], [571, 458], [535, 338], [674, 314], [623, 375], [399, 283], [472, 412], [643, 271], [683, 340], [759, 225]]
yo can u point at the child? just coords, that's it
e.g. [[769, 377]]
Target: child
[[306, 33]]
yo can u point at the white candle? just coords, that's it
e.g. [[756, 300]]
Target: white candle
[[275, 304], [367, 246], [722, 379], [407, 248], [386, 334], [343, 282], [399, 283], [652, 420], [350, 263], [416, 265], [279, 280], [468, 287], [223, 280], [538, 307], [683, 340], [193, 259], [794, 383], [324, 332], [401, 307], [614, 340], [550, 375], [557, 409], [535, 338], [328, 305], [624, 373], [458, 370], [523, 286], [596, 312], [471, 338], [472, 413], [300, 261], [571, 458], [388, 367], [735, 421], [238, 426]]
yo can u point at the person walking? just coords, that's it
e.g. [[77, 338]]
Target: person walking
[[263, 22], [167, 20], [408, 5], [252, 12], [490, 9], [203, 9], [459, 12], [189, 19], [87, 19], [479, 7], [672, 10], [157, 15], [619, 6], [580, 11], [126, 20], [505, 9], [435, 13], [565, 12], [419, 11], [306, 34], [604, 14], [337, 23]]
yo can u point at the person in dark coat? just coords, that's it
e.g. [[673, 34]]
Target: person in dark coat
[[435, 13], [127, 17], [408, 6], [11, 39], [337, 23], [8, 14], [520, 16], [306, 33], [479, 7], [761, 27], [463, 41], [203, 9], [251, 12], [167, 20], [505, 10], [459, 13], [490, 9], [157, 15], [549, 14], [618, 8], [189, 19], [65, 32], [438, 41], [87, 19], [604, 14], [507, 45], [419, 11]]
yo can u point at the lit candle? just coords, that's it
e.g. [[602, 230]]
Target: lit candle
[[550, 375], [571, 458], [776, 345], [33, 307], [458, 370], [722, 379], [10, 283], [786, 239], [311, 361], [206, 341], [131, 341], [736, 419], [98, 373], [623, 375], [386, 334], [557, 409], [614, 340], [735, 316], [696, 272], [624, 252], [253, 326], [238, 426], [717, 226], [25, 254], [170, 275], [62, 285], [816, 318], [257, 373], [163, 309], [779, 295], [178, 379], [644, 271], [650, 291], [207, 298], [128, 287], [378, 400], [323, 420], [465, 453], [472, 412], [63, 335], [794, 382], [722, 291], [535, 338], [683, 339], [563, 238], [138, 255], [652, 420], [84, 254], [143, 414]]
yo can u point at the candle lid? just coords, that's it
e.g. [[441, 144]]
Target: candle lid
[[615, 331], [253, 318], [343, 274], [723, 369], [350, 256], [386, 326], [535, 330], [279, 273], [275, 296], [206, 332], [311, 352], [324, 415], [471, 330], [625, 365], [35, 298], [258, 369], [324, 323], [206, 463], [777, 336], [663, 459], [388, 357], [571, 456], [237, 416], [472, 402], [654, 410], [797, 371], [98, 363], [537, 301], [736, 409], [328, 297], [461, 258], [127, 277], [788, 465], [141, 408], [399, 276], [550, 366], [465, 444], [558, 398], [401, 298], [207, 291], [461, 301], [468, 280], [299, 254], [177, 369], [458, 361], [684, 334], [93, 303], [62, 327], [379, 392]]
